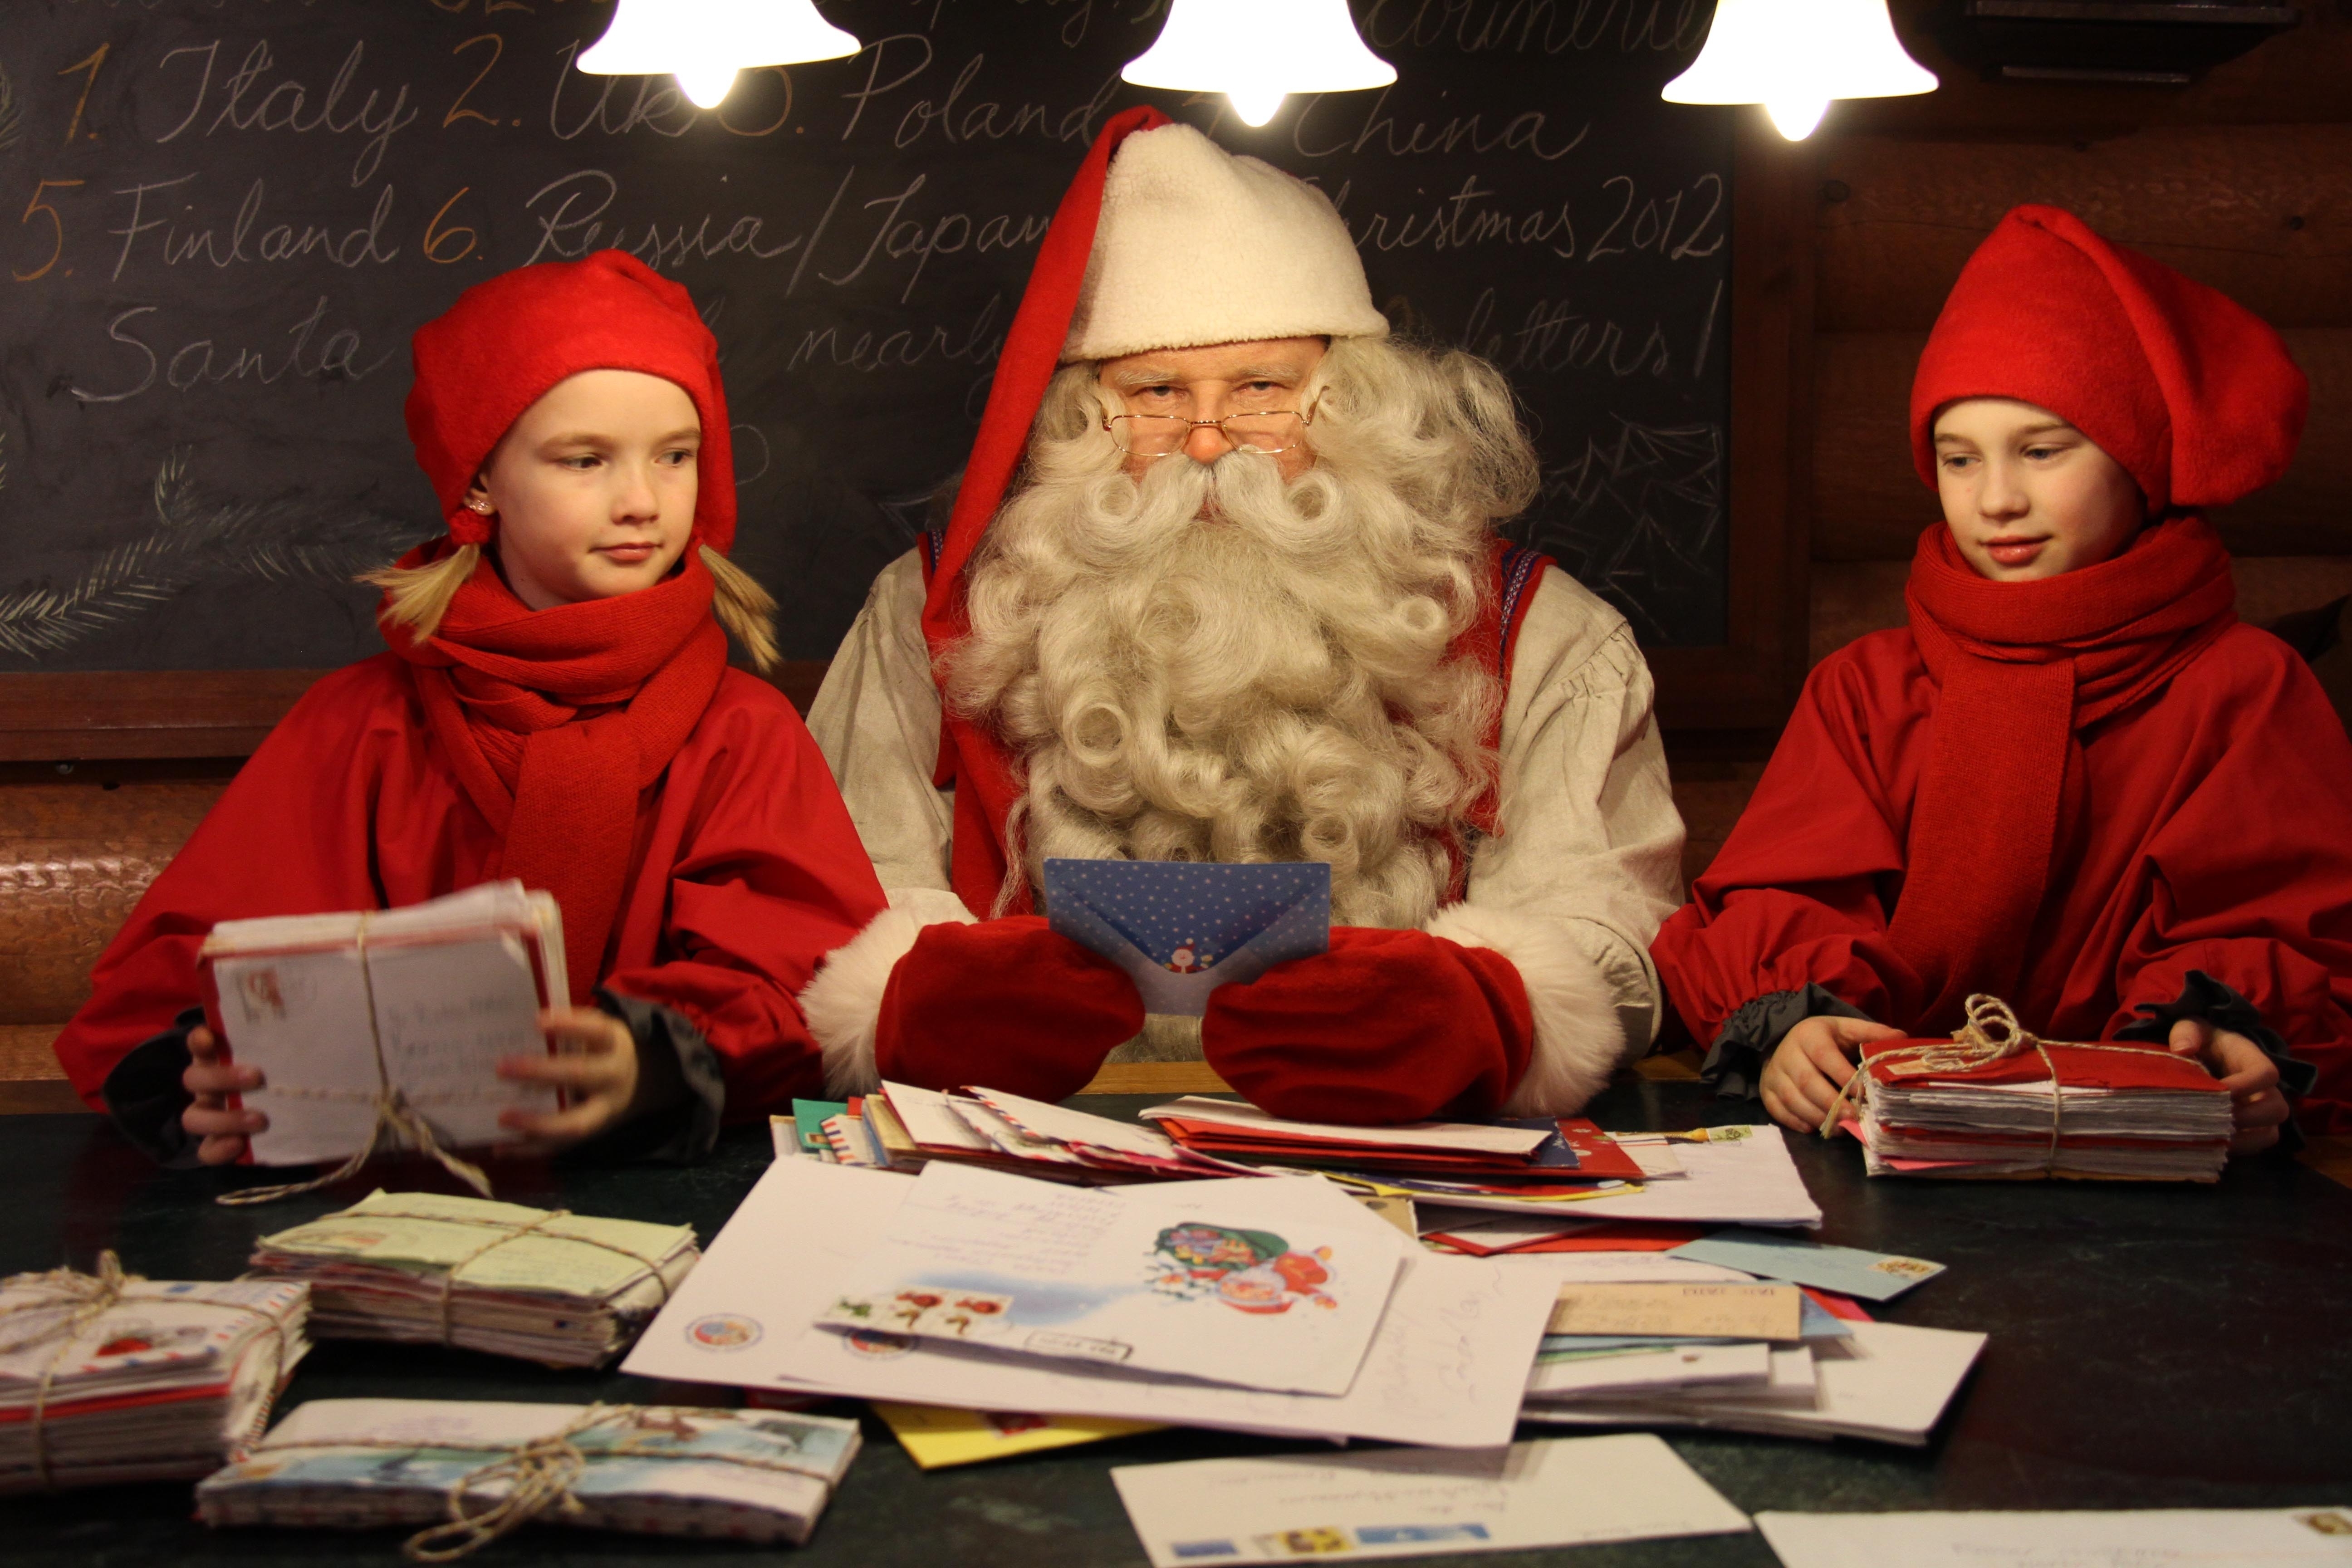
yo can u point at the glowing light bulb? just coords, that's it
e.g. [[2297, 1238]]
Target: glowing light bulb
[[704, 43], [1256, 105], [1795, 118], [1795, 56], [1258, 52], [707, 85]]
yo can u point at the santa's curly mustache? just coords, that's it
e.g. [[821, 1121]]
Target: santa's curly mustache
[[1211, 664]]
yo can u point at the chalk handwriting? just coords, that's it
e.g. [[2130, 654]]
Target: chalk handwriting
[[565, 233], [1557, 337], [987, 121], [245, 107], [1536, 26], [181, 241], [1325, 114], [621, 104], [944, 237], [904, 348], [202, 362]]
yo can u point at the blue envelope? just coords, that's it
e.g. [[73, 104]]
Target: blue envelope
[[1182, 928], [1851, 1270]]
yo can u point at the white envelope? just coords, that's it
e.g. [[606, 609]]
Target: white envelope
[[2316, 1537], [1412, 1502]]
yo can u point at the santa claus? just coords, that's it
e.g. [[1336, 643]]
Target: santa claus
[[1222, 581]]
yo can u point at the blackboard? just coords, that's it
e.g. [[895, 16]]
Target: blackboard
[[220, 220]]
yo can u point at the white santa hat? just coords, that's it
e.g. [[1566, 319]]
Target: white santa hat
[[1195, 246]]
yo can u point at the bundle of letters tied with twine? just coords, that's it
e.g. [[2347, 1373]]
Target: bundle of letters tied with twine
[[1997, 1101], [107, 1377], [545, 1285], [469, 1473]]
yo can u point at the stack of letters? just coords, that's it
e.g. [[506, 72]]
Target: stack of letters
[[903, 1128], [744, 1475], [159, 1385], [2117, 1112], [1278, 1305], [546, 1286], [394, 1020], [1717, 1333], [1282, 1304], [1534, 1157]]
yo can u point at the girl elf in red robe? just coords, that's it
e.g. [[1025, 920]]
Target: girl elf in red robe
[[2074, 779], [557, 707]]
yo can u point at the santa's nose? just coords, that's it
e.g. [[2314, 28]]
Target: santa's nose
[[1206, 443]]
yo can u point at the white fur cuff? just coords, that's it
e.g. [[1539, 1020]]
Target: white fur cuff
[[844, 1003], [1579, 1038]]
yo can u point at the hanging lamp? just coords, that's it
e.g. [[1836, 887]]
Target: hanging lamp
[[1258, 52], [705, 42], [1794, 56]]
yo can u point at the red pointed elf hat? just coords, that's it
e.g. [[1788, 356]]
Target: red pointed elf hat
[[985, 784], [510, 338], [2193, 394], [1031, 353]]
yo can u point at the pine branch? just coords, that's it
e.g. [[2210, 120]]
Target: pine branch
[[275, 541], [11, 118]]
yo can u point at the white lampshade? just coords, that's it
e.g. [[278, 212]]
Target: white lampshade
[[1794, 56], [706, 42], [1256, 52]]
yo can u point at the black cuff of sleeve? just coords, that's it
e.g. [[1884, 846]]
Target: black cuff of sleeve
[[1735, 1063], [684, 1133], [145, 1096], [2204, 997]]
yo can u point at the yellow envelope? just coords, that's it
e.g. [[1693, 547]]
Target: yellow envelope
[[935, 1437]]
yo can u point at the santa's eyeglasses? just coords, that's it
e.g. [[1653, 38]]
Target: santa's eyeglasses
[[1268, 431]]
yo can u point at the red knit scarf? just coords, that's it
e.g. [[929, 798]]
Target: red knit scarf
[[556, 720], [2020, 668]]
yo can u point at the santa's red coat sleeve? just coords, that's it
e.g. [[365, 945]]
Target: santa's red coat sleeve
[[745, 872], [2212, 830]]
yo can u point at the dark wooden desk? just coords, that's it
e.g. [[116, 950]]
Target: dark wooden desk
[[2151, 1347]]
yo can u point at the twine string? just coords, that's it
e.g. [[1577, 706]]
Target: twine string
[[396, 1114], [84, 1300], [1991, 1034], [538, 1474], [515, 1230]]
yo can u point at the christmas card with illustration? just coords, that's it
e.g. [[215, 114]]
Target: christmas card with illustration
[[1266, 1284], [1183, 928]]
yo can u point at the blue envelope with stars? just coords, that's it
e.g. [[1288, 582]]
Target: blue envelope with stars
[[1182, 928]]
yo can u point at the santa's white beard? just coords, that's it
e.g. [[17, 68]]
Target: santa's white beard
[[1213, 665]]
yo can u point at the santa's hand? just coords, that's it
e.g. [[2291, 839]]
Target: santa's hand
[[1006, 1003], [2257, 1109], [1388, 1026]]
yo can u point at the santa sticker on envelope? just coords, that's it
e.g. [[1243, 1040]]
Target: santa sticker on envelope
[[1180, 928]]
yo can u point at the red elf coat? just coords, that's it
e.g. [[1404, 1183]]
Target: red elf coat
[[744, 870], [2211, 830]]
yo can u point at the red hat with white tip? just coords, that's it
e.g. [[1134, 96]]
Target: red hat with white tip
[[2192, 393]]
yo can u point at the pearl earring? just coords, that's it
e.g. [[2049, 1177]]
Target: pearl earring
[[480, 505]]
